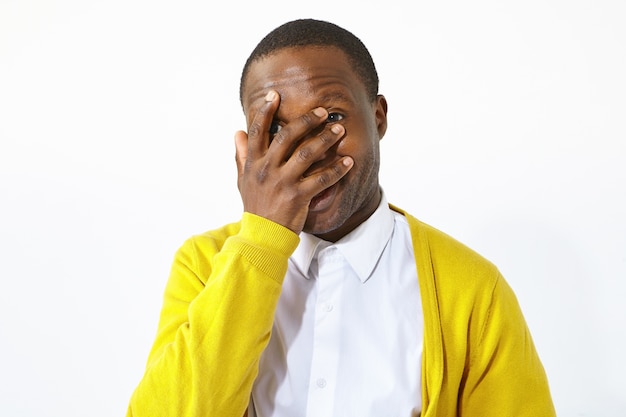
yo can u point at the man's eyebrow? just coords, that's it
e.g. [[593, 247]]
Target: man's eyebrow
[[334, 96]]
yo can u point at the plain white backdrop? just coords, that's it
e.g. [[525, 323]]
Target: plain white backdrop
[[507, 130]]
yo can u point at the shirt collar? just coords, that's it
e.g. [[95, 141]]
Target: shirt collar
[[362, 247]]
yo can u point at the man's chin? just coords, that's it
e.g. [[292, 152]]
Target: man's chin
[[325, 224]]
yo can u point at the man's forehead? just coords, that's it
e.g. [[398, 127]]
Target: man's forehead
[[301, 70]]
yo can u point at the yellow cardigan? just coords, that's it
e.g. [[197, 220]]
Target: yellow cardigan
[[478, 355]]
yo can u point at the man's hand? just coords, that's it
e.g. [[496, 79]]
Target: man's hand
[[271, 171]]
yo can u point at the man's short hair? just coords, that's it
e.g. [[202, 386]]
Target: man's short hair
[[311, 32]]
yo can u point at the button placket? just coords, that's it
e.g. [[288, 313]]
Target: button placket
[[326, 349]]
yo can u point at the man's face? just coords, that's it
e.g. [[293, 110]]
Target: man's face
[[310, 77]]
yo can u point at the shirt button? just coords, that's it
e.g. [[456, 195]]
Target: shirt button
[[321, 382], [328, 307]]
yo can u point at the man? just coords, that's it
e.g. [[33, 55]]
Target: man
[[324, 300]]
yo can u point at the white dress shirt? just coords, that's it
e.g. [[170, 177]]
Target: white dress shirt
[[347, 335]]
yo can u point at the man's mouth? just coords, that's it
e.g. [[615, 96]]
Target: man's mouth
[[324, 199]]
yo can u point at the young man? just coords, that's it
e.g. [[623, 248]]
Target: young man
[[324, 300]]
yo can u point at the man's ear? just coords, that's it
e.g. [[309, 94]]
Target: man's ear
[[381, 115]]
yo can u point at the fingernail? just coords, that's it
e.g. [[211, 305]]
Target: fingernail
[[320, 112], [271, 95], [347, 162], [336, 129]]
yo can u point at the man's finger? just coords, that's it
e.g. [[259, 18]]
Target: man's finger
[[259, 129], [327, 177]]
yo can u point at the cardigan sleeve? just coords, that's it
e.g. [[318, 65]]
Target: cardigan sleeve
[[505, 376], [215, 322]]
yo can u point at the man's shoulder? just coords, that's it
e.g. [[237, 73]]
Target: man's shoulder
[[444, 252]]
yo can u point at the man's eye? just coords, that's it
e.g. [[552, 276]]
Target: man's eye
[[274, 128], [334, 117]]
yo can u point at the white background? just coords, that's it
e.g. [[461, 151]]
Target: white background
[[506, 130]]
